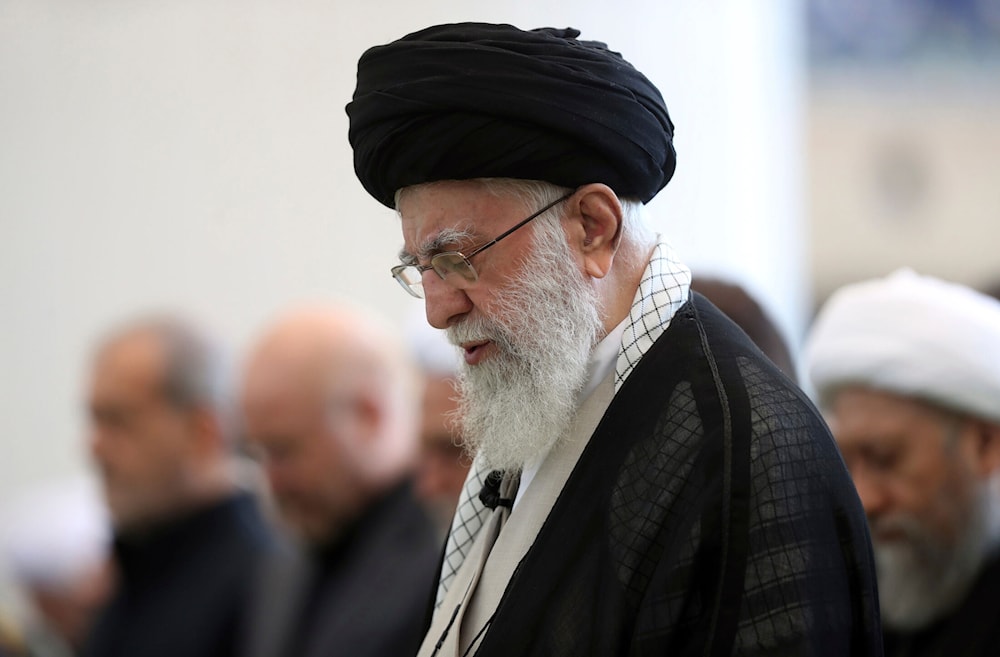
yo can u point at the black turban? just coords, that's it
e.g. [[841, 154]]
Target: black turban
[[474, 100]]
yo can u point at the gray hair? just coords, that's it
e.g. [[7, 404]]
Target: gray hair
[[636, 236], [197, 372]]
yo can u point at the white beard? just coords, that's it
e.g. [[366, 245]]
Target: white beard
[[920, 579], [514, 406]]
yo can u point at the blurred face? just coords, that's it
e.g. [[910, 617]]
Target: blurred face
[[906, 458], [443, 465], [142, 444], [917, 473], [304, 441]]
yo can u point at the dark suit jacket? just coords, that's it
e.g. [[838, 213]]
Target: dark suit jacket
[[709, 515], [364, 597], [184, 585]]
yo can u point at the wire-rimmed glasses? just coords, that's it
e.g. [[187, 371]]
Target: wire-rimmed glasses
[[454, 266]]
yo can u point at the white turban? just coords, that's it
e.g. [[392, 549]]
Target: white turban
[[54, 533], [910, 335]]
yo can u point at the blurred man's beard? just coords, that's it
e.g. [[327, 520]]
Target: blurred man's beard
[[519, 402], [921, 579]]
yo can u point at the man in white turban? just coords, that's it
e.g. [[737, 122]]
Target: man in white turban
[[907, 369]]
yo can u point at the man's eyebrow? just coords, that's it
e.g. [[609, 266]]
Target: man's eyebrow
[[446, 240], [407, 258]]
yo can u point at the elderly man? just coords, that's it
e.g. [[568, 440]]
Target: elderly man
[[186, 539], [331, 402], [907, 368], [652, 485]]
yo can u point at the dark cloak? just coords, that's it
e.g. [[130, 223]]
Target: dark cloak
[[710, 514]]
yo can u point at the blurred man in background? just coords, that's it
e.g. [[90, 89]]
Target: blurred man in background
[[908, 370], [331, 403], [186, 538], [749, 315], [442, 463]]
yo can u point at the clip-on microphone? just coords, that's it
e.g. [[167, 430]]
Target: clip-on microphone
[[490, 494]]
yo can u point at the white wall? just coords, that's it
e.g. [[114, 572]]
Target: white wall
[[192, 154], [904, 173]]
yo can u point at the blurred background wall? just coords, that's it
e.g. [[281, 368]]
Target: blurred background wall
[[193, 155]]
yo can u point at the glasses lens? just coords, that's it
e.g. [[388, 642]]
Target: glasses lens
[[453, 267], [409, 277]]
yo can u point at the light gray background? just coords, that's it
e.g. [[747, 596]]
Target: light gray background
[[193, 155]]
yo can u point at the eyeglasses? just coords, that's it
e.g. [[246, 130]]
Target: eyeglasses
[[453, 266]]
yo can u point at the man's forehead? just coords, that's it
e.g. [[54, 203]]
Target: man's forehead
[[136, 364], [439, 215], [879, 418]]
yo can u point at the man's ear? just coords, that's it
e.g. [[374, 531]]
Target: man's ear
[[595, 227]]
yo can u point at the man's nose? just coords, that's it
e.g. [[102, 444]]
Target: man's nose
[[872, 491], [443, 302]]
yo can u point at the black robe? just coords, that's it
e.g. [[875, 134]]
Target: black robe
[[184, 585], [972, 630], [710, 514]]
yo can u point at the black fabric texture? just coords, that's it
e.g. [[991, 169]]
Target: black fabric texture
[[710, 514], [362, 596], [184, 586], [475, 100], [971, 630]]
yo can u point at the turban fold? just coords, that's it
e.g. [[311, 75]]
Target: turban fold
[[475, 100], [911, 335]]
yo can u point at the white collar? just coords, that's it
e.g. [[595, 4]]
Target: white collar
[[663, 289]]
